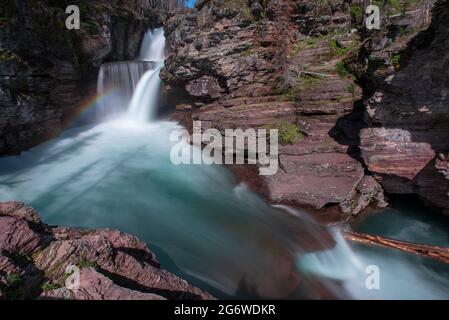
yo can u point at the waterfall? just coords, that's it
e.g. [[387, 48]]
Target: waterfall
[[144, 102], [153, 46], [117, 82], [133, 86]]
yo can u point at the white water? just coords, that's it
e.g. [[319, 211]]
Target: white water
[[153, 46], [144, 102], [143, 105], [117, 82]]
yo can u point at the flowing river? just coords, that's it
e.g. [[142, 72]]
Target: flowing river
[[202, 225]]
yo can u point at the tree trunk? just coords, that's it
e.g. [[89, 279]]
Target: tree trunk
[[433, 252]]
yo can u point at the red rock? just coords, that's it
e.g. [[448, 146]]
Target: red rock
[[19, 210], [95, 286], [393, 152], [125, 267], [316, 180], [16, 236]]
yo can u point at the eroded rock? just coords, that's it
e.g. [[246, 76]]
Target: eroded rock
[[35, 259]]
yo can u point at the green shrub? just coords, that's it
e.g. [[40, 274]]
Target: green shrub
[[49, 286], [13, 279], [351, 89], [336, 49], [341, 70], [9, 56], [308, 81], [20, 259], [288, 133], [356, 13], [248, 51], [84, 263], [91, 27], [396, 61]]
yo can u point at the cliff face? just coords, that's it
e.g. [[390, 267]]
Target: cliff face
[[358, 108], [278, 64], [48, 71], [112, 265], [407, 143], [220, 48]]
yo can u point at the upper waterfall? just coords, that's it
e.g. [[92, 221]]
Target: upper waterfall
[[142, 107], [153, 46]]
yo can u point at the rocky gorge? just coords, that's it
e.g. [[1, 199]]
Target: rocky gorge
[[362, 116], [337, 93]]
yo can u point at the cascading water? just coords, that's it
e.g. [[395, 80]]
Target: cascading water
[[133, 86], [117, 82], [145, 99], [153, 46], [202, 227]]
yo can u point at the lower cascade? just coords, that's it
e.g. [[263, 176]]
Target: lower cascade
[[117, 81], [144, 101], [203, 227]]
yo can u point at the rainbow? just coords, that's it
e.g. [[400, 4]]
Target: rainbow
[[84, 107]]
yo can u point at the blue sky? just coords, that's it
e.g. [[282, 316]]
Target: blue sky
[[190, 3]]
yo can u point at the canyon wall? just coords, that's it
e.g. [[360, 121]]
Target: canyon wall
[[277, 64], [357, 110], [407, 143], [47, 72]]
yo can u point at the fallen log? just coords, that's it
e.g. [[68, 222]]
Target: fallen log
[[433, 252]]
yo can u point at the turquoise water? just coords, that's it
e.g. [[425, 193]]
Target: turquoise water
[[208, 229], [201, 224], [402, 275]]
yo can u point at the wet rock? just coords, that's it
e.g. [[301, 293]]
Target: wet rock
[[216, 50], [393, 152], [370, 193], [251, 115], [19, 210], [17, 235]]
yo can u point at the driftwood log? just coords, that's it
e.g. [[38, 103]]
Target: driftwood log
[[433, 252]]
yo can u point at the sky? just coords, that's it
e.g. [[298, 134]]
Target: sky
[[190, 3]]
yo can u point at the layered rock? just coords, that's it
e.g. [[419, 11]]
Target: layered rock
[[408, 113], [219, 49], [48, 72], [39, 261], [277, 64]]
